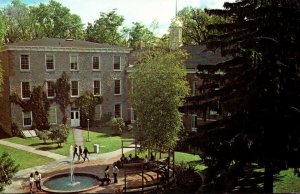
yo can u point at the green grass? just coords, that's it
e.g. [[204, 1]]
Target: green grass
[[25, 159], [287, 182]]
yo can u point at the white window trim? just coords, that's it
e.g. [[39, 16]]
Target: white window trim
[[99, 69], [121, 115], [49, 54], [114, 63], [94, 87], [194, 88], [77, 89], [50, 80], [70, 56], [120, 87], [132, 120], [24, 70], [23, 119], [22, 90], [55, 117], [194, 128]]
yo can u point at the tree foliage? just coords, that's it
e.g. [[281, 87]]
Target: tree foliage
[[62, 90], [194, 25], [60, 134], [118, 124], [87, 103], [3, 28], [258, 91], [106, 29], [159, 85], [1, 78], [8, 169]]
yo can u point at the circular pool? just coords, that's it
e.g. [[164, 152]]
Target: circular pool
[[61, 183]]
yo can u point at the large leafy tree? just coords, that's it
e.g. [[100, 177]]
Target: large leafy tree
[[159, 86], [257, 90], [106, 29], [140, 35], [8, 169], [55, 21], [194, 25], [3, 27]]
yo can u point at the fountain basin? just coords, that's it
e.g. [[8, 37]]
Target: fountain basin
[[60, 183]]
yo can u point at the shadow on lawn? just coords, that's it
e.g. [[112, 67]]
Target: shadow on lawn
[[47, 148], [42, 144]]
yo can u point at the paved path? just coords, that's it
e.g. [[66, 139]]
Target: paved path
[[78, 136]]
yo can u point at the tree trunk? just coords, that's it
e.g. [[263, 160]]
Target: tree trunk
[[268, 178]]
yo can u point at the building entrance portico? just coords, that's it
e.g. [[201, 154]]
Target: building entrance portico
[[75, 117]]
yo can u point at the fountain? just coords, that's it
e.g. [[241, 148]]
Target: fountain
[[70, 183]]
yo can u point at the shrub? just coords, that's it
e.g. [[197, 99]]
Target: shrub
[[43, 135], [15, 130], [118, 124], [60, 134], [8, 169], [106, 117]]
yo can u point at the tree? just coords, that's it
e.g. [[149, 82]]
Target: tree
[[159, 85], [60, 134], [1, 79], [87, 103], [118, 125], [55, 21], [106, 29], [139, 35], [195, 22], [62, 90], [8, 169], [258, 92], [18, 22], [3, 28]]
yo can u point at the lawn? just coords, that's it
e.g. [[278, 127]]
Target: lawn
[[287, 182], [25, 159], [106, 141]]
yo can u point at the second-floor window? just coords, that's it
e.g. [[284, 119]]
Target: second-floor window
[[97, 87], [74, 89], [49, 62], [117, 63], [24, 63], [50, 89], [25, 90], [117, 87], [74, 63], [96, 63]]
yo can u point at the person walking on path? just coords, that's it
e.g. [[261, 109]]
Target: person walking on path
[[85, 153], [115, 172], [31, 182], [37, 180], [80, 153], [106, 172], [75, 151]]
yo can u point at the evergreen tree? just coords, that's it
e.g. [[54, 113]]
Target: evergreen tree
[[8, 169], [257, 91]]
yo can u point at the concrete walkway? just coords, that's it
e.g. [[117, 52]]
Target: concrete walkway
[[78, 136]]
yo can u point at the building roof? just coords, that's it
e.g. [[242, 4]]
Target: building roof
[[198, 54], [62, 44]]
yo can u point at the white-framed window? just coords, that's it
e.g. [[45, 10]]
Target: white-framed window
[[74, 63], [98, 112], [74, 88], [194, 88], [49, 60], [52, 115], [97, 87], [27, 119], [24, 62], [194, 122], [117, 88], [117, 63], [50, 89], [25, 90], [118, 110], [132, 115], [96, 63]]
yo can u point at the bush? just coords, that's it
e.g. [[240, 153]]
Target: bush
[[60, 134], [118, 124], [43, 135], [8, 169], [106, 117], [129, 127], [15, 130]]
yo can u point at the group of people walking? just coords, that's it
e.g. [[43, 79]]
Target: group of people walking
[[79, 152], [35, 181]]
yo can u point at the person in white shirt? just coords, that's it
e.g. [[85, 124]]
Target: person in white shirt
[[37, 180], [115, 172], [31, 182]]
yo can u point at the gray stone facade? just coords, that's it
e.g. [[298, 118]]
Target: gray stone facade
[[61, 50]]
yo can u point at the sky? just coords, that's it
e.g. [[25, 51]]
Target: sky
[[143, 11]]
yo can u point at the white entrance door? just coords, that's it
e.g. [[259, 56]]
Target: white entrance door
[[75, 118]]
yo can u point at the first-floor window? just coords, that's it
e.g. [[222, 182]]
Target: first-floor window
[[194, 122], [27, 119], [98, 112], [52, 115], [25, 87], [74, 89], [118, 110]]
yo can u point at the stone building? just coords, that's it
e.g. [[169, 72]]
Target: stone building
[[92, 67]]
